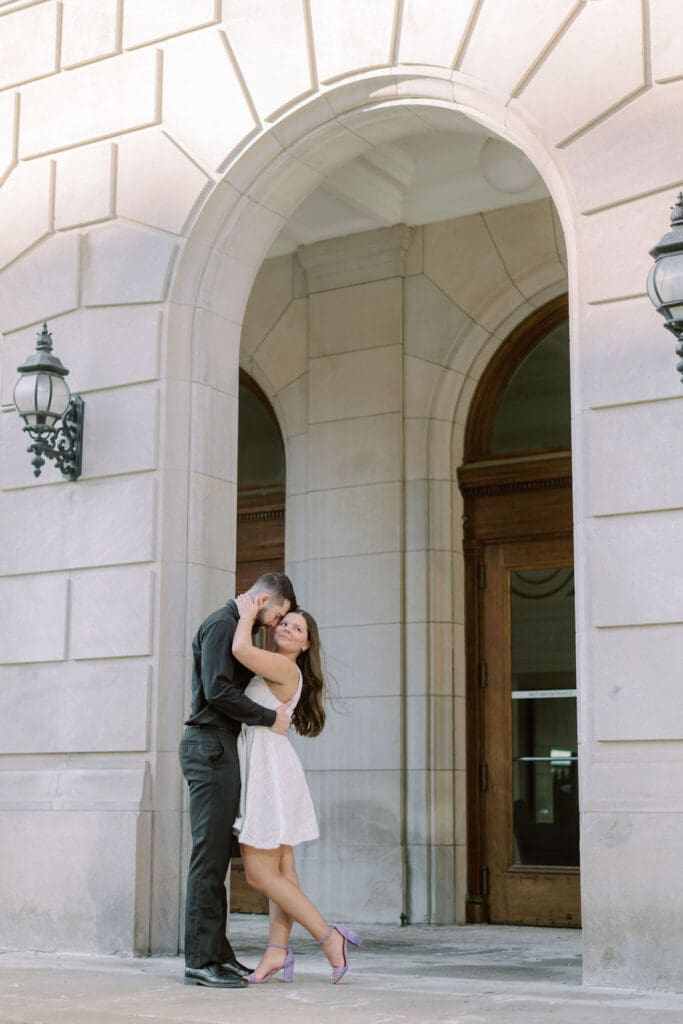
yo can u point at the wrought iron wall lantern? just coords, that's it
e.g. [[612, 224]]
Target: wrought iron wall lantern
[[53, 417], [665, 281]]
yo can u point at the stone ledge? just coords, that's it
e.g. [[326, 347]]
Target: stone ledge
[[125, 789]]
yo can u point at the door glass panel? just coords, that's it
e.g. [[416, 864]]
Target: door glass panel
[[544, 735], [261, 452], [534, 411]]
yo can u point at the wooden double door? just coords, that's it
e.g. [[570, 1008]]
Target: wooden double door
[[522, 722]]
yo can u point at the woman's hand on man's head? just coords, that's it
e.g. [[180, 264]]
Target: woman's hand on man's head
[[249, 606]]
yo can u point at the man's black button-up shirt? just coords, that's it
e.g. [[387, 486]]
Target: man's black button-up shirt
[[219, 680]]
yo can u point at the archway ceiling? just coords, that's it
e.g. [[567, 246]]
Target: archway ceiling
[[418, 178]]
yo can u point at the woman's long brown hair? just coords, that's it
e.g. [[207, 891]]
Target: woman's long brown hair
[[309, 715]]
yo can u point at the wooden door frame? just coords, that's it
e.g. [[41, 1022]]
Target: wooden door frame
[[499, 491]]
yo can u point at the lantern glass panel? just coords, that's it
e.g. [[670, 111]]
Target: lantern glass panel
[[25, 398], [668, 279], [651, 290], [41, 398]]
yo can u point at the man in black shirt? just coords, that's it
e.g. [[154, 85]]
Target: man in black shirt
[[208, 758]]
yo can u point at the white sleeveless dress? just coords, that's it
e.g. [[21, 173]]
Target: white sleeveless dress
[[275, 803]]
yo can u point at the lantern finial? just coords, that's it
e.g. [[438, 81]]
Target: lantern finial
[[677, 210], [44, 343]]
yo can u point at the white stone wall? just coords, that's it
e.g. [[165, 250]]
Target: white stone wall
[[149, 153]]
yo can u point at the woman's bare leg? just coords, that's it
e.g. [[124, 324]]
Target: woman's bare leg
[[263, 872], [280, 923]]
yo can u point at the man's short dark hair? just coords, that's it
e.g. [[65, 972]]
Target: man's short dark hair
[[278, 584]]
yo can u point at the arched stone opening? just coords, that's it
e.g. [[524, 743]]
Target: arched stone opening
[[420, 814]]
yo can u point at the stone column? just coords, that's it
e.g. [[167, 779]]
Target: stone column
[[348, 566]]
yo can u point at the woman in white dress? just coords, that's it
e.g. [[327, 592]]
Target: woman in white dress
[[276, 811]]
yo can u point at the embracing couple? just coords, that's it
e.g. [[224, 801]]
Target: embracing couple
[[245, 777]]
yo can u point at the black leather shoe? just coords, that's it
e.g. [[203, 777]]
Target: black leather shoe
[[214, 976], [234, 965]]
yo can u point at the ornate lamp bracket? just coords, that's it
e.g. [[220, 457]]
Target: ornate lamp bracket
[[63, 446]]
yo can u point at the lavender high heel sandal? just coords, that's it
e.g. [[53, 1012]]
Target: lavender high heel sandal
[[348, 936], [287, 967]]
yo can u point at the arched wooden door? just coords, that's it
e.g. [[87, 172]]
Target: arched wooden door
[[260, 542], [522, 725]]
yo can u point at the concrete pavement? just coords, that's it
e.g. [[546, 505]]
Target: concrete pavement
[[415, 975]]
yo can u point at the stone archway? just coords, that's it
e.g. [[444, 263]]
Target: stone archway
[[221, 275]]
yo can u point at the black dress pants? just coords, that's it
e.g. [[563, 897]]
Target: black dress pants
[[211, 768]]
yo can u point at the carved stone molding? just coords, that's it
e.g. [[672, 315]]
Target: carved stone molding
[[356, 259]]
